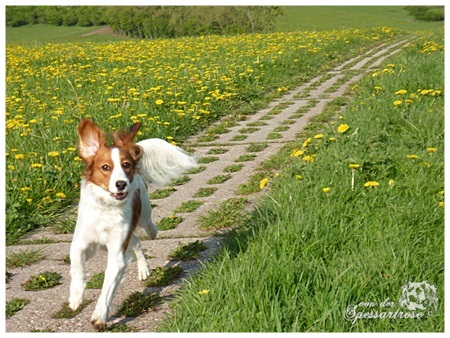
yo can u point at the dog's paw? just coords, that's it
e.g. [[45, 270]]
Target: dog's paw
[[152, 231], [98, 324], [143, 270], [74, 303]]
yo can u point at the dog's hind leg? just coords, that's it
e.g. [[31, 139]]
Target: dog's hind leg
[[151, 229], [143, 267]]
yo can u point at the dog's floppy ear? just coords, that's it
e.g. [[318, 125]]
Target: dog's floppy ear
[[136, 152], [123, 138], [90, 139]]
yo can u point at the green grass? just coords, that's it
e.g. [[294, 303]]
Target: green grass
[[23, 258], [318, 18], [67, 313], [15, 305], [162, 193], [43, 281], [245, 158], [228, 214], [256, 147], [96, 281], [205, 192], [188, 251], [219, 179], [295, 18], [188, 206], [233, 168], [168, 223], [163, 276], [207, 159], [252, 185], [41, 34], [306, 255], [217, 151], [51, 86], [137, 303]]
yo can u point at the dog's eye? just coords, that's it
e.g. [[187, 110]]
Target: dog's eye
[[106, 167], [126, 165]]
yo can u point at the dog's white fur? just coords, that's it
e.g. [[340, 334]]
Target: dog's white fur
[[106, 221]]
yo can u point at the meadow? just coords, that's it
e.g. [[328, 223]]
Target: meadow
[[346, 17], [355, 210], [174, 87]]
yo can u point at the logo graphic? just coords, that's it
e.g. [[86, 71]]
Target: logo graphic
[[418, 296], [417, 300]]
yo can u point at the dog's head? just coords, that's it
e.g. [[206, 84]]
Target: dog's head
[[109, 167]]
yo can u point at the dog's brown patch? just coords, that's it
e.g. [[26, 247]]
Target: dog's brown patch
[[137, 207]]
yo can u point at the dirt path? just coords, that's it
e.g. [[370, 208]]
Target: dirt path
[[106, 30], [37, 314]]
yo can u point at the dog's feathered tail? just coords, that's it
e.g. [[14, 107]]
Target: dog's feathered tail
[[163, 161]]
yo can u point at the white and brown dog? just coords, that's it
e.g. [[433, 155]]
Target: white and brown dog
[[113, 201]]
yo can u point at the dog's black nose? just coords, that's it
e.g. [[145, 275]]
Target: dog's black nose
[[121, 185]]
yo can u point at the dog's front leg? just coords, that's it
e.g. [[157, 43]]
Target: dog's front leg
[[78, 283], [113, 276]]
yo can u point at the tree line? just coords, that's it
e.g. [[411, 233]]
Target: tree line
[[152, 21], [427, 13]]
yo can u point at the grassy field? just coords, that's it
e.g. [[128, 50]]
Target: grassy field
[[295, 18], [344, 17], [174, 87], [351, 227], [40, 34]]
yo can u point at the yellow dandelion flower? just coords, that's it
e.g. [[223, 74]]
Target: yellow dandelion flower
[[19, 156], [398, 103], [431, 150], [441, 204], [426, 91], [326, 190], [318, 136], [263, 183], [60, 195], [371, 184], [391, 182], [307, 142], [203, 292], [308, 159], [401, 92], [36, 165], [353, 166], [297, 152], [53, 154], [412, 157], [343, 128], [298, 177], [159, 101]]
